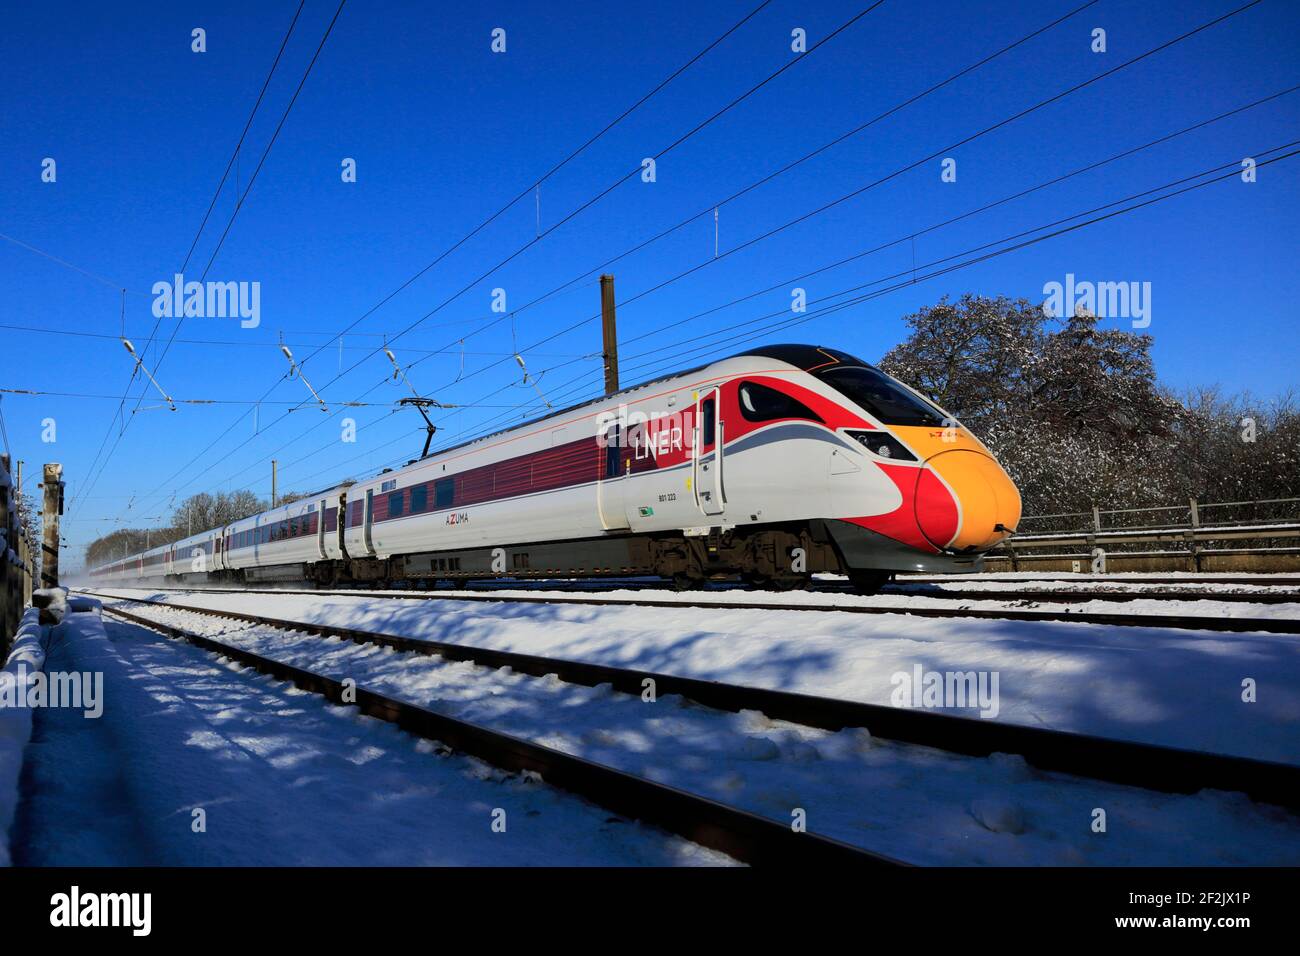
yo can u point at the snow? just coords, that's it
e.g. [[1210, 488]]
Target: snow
[[52, 602], [283, 778], [1173, 687], [1099, 585], [916, 803], [26, 658]]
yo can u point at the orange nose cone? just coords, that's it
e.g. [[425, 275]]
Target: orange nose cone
[[987, 497]]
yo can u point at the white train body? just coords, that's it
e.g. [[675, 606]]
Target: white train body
[[776, 463]]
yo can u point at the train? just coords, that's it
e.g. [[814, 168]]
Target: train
[[771, 465]]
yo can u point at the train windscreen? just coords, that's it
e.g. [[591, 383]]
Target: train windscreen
[[880, 395]]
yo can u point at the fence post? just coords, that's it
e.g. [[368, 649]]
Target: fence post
[[53, 486], [1192, 546]]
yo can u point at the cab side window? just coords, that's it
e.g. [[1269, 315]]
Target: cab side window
[[759, 403]]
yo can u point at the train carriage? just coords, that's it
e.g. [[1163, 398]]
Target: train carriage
[[773, 464]]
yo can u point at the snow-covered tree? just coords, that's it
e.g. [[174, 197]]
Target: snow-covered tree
[[1076, 414]]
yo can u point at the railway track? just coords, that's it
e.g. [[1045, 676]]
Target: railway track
[[745, 836], [690, 600], [1048, 596], [1153, 767], [903, 587], [934, 590], [1257, 579]]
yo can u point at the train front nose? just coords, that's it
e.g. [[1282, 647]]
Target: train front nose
[[987, 498]]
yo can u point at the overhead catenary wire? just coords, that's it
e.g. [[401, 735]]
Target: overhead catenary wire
[[34, 393], [711, 259], [990, 205], [536, 184], [913, 99], [152, 335], [261, 161], [540, 237], [260, 346], [1110, 72], [622, 179], [594, 199], [908, 275], [111, 283], [982, 253], [93, 477], [243, 134]]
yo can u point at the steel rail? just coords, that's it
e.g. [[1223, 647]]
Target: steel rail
[[743, 835], [1257, 579], [1236, 625], [1154, 767]]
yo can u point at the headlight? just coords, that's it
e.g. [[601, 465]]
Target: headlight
[[883, 444]]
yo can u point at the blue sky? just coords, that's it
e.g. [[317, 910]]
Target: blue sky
[[444, 132]]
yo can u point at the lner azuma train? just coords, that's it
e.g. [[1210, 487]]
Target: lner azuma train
[[773, 464]]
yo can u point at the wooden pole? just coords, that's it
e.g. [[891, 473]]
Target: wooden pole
[[272, 482], [53, 487], [609, 328]]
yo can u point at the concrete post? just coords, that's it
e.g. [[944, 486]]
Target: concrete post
[[53, 487]]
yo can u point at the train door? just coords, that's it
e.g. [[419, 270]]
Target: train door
[[320, 527], [610, 490], [341, 522], [707, 457], [367, 519]]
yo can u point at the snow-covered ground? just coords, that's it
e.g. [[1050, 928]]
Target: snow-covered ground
[[282, 777], [916, 803], [1101, 586], [25, 661], [1163, 686]]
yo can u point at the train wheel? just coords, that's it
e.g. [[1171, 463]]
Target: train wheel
[[685, 581], [868, 582]]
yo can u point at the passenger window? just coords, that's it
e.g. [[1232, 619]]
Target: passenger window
[[444, 491], [395, 505], [613, 442], [419, 498], [759, 403]]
